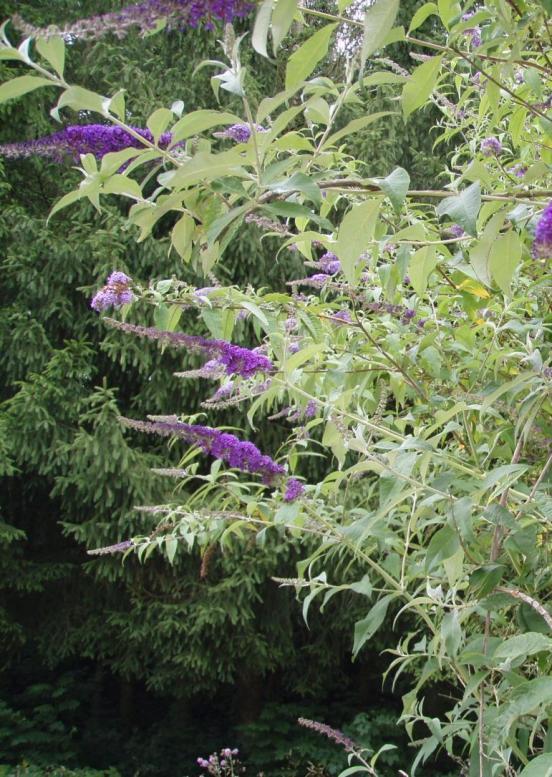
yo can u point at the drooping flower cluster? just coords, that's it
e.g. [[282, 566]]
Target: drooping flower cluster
[[239, 133], [491, 147], [474, 33], [145, 17], [234, 359], [71, 142], [542, 244], [332, 733], [329, 263], [227, 447], [115, 293]]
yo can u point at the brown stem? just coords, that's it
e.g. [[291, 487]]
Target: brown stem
[[537, 606]]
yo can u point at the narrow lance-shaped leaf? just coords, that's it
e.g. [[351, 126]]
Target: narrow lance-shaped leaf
[[419, 87], [378, 21], [303, 61]]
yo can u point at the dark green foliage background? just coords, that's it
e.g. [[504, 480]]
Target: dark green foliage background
[[141, 667]]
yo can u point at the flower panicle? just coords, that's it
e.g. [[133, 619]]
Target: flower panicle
[[145, 17], [74, 140], [227, 447], [331, 733], [119, 547], [235, 359]]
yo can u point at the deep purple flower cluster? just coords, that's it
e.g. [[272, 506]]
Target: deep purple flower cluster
[[332, 733], [145, 16], [221, 445], [71, 142], [455, 230], [491, 147], [239, 133], [294, 489], [518, 170], [115, 293], [542, 244], [235, 359]]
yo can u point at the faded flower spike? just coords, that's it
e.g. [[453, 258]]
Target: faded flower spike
[[491, 147], [332, 733], [221, 445], [119, 547], [542, 245], [71, 142], [145, 17], [115, 293], [233, 358]]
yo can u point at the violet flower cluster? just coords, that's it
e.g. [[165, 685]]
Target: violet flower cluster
[[239, 133], [233, 358], [115, 293], [239, 454], [71, 142], [223, 764], [542, 244], [491, 147], [119, 547], [145, 17]]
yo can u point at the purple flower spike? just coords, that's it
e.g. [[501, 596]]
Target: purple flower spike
[[542, 245], [145, 17], [329, 263], [332, 733], [294, 489], [491, 147], [239, 133], [221, 445], [71, 142], [119, 547], [115, 293], [234, 359]]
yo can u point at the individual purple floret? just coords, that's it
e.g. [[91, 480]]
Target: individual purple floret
[[145, 17], [518, 170], [71, 142], [491, 147], [115, 293], [542, 244], [343, 316], [409, 314], [294, 489], [239, 133], [235, 359], [329, 263], [455, 230], [221, 445]]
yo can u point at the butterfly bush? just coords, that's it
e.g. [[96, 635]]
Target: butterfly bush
[[410, 357]]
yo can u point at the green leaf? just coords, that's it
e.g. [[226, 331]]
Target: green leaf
[[298, 182], [367, 627], [67, 199], [541, 766], [181, 236], [421, 15], [463, 208], [448, 10], [171, 545], [355, 232], [486, 578], [443, 545], [159, 121], [282, 19], [523, 645], [420, 85], [355, 125], [259, 36], [504, 257], [303, 61], [378, 21], [451, 632], [396, 187], [22, 85], [203, 168], [422, 263], [80, 100], [121, 184], [197, 121], [53, 51]]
